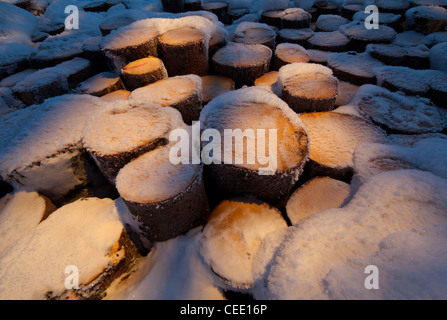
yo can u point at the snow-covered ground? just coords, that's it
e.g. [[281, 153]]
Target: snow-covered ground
[[67, 232]]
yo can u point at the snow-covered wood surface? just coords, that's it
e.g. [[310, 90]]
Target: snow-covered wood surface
[[91, 119]]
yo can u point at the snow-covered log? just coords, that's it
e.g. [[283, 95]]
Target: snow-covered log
[[334, 139], [142, 72], [308, 87], [167, 199], [267, 171], [183, 93], [242, 62], [184, 51], [233, 234], [125, 131]]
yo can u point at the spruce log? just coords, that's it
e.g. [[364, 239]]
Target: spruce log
[[142, 72]]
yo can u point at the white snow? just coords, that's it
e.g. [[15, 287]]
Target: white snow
[[293, 69], [17, 25], [124, 126], [41, 131], [81, 234], [438, 57], [330, 22], [353, 63], [58, 73], [246, 96], [335, 136], [20, 213], [168, 91], [427, 153], [396, 111], [153, 178], [307, 263], [173, 270]]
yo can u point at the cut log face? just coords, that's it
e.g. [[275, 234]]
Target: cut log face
[[126, 133], [297, 36], [356, 68], [113, 23], [213, 86], [238, 170], [53, 81], [219, 8], [397, 113], [53, 169], [269, 82], [232, 236], [167, 199], [255, 33], [242, 62], [286, 53], [395, 6], [329, 22], [295, 18], [308, 87], [20, 213], [318, 56], [126, 45], [360, 37], [333, 41], [116, 95], [334, 139], [416, 57], [46, 251], [426, 19], [316, 195], [272, 18], [184, 51], [388, 19], [348, 10], [101, 84], [183, 93], [142, 72]]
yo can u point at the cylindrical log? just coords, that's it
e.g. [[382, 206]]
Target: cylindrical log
[[126, 45], [142, 72], [184, 51], [183, 93], [242, 62], [101, 84], [167, 199], [118, 135], [286, 53], [308, 87]]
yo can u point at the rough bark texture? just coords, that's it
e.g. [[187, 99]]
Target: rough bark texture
[[95, 288], [220, 9], [272, 18], [119, 57], [184, 56], [175, 216], [142, 72], [110, 165], [246, 73]]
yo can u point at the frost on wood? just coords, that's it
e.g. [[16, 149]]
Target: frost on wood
[[318, 194], [34, 266], [256, 108], [334, 139], [183, 93], [232, 236], [128, 130]]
